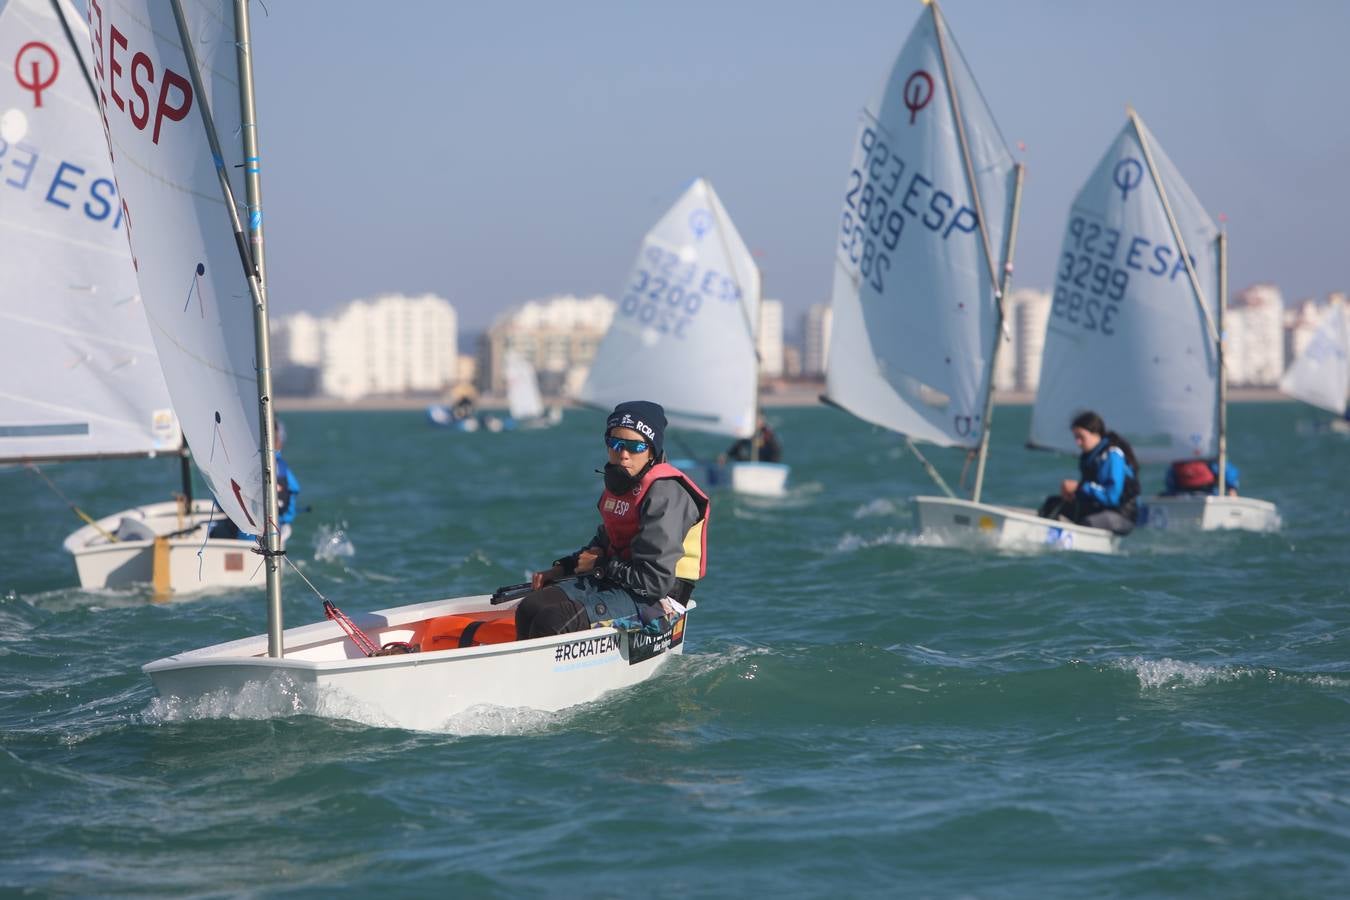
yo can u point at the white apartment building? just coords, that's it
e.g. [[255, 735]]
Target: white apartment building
[[816, 339], [392, 344], [297, 340], [559, 336], [1030, 313], [770, 341], [1254, 337]]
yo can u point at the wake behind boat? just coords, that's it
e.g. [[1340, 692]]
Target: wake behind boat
[[182, 187]]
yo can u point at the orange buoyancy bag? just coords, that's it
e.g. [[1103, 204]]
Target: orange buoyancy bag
[[1192, 475], [465, 630]]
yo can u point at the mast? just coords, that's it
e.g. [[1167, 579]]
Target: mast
[[999, 288], [1172, 224], [1009, 247], [1223, 373], [271, 535], [249, 129]]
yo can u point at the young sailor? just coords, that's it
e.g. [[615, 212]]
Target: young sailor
[[649, 550], [770, 450], [1104, 496], [1199, 476]]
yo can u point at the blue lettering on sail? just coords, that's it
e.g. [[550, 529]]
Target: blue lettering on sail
[[63, 184], [1095, 269], [667, 293], [883, 197]]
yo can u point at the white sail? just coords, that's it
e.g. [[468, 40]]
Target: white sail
[[192, 284], [914, 291], [1321, 374], [1127, 336], [684, 331], [80, 377], [522, 389]]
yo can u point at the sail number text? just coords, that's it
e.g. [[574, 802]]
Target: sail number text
[[1094, 272], [67, 186], [666, 293], [883, 196]]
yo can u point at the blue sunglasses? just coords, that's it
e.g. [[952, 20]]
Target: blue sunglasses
[[634, 447]]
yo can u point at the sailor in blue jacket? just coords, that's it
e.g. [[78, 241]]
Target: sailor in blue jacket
[[1197, 476], [1104, 495]]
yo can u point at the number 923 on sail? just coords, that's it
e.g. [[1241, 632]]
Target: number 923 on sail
[[882, 196]]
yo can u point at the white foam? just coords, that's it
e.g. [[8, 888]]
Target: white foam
[[331, 542], [878, 507], [1173, 674]]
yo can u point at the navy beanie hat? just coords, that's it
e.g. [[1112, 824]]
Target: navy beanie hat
[[643, 416]]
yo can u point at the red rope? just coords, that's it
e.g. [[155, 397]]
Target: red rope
[[359, 637]]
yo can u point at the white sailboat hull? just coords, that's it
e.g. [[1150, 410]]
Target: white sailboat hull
[[760, 479], [963, 523], [324, 674], [102, 563], [1208, 513]]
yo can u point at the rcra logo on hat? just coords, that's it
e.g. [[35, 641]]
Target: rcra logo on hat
[[644, 417]]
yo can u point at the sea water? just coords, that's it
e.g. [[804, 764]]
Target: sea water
[[856, 714]]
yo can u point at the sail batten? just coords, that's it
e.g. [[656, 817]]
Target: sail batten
[[1130, 333], [683, 334], [81, 378], [915, 293]]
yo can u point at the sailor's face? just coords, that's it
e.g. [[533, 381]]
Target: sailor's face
[[630, 462], [1087, 441]]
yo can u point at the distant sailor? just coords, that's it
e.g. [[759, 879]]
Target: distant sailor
[[1199, 476], [770, 450], [1105, 494], [650, 549], [288, 489]]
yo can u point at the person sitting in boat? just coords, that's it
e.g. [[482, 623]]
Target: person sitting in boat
[[769, 448], [463, 408], [1199, 476], [650, 547], [1104, 495], [288, 488]]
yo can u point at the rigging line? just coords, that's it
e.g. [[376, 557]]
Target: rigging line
[[938, 24], [1172, 223], [32, 467], [929, 468], [74, 47]]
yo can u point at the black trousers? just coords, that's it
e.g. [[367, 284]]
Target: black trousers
[[549, 611], [1113, 520], [1080, 513]]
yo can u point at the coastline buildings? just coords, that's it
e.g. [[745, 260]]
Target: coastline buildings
[[394, 344], [1254, 337], [769, 344], [816, 339], [559, 336], [391, 344]]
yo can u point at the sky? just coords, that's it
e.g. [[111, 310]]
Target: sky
[[497, 152]]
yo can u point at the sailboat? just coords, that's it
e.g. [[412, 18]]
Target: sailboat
[[923, 260], [81, 378], [202, 279], [1134, 329], [1320, 376], [523, 398], [684, 335]]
